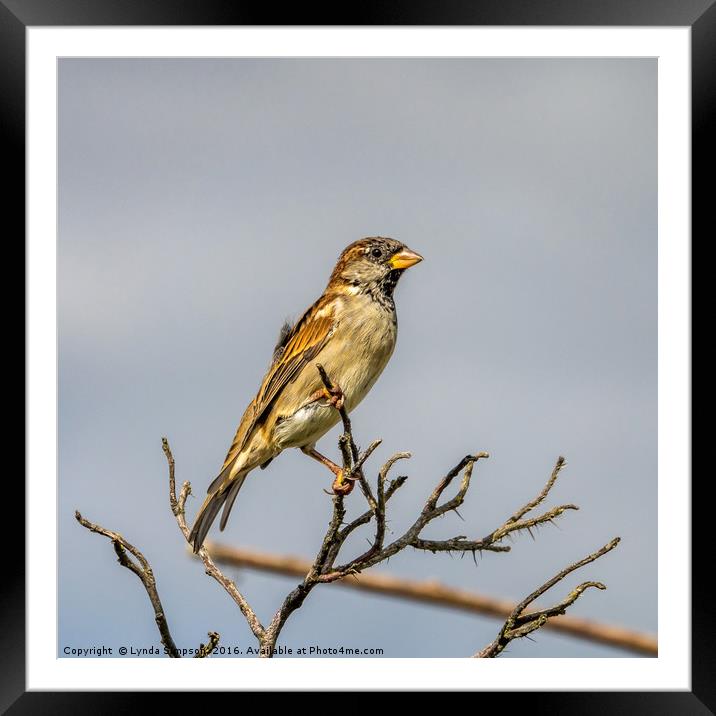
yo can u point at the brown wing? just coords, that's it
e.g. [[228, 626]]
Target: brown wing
[[302, 345]]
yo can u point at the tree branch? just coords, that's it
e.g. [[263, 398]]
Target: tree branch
[[519, 624], [177, 506], [144, 571], [352, 461], [377, 553], [323, 570], [205, 649], [436, 593]]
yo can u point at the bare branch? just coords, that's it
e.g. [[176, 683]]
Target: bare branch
[[458, 544], [205, 650], [561, 607], [561, 462], [567, 570], [145, 574], [515, 523], [366, 517], [339, 512], [323, 570], [352, 462], [212, 570], [366, 454], [430, 511], [436, 593], [380, 511], [519, 624], [347, 430], [548, 516], [467, 462]]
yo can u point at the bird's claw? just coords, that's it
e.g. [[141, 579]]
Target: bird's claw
[[342, 485], [335, 397]]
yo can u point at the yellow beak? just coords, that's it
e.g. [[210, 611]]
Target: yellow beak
[[404, 259]]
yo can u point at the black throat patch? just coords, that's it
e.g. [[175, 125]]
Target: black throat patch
[[382, 292]]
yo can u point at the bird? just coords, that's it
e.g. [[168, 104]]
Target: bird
[[351, 331]]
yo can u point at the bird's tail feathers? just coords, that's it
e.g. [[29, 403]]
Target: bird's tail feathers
[[230, 497], [223, 476], [223, 496]]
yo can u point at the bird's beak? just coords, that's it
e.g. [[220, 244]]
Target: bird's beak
[[404, 259]]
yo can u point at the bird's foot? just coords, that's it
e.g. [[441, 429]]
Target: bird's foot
[[342, 485], [334, 396]]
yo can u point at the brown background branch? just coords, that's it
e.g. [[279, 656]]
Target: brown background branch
[[433, 592]]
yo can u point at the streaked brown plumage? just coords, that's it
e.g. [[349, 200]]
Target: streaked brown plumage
[[351, 329]]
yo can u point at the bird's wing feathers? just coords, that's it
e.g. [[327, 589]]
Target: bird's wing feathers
[[283, 336], [300, 346], [303, 344]]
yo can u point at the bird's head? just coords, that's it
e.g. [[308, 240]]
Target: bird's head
[[373, 265]]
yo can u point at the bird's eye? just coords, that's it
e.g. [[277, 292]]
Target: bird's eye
[[377, 253]]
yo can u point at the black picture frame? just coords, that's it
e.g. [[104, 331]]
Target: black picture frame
[[17, 15]]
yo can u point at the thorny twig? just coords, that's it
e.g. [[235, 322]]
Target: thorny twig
[[144, 571], [323, 569], [519, 624], [177, 507], [433, 592]]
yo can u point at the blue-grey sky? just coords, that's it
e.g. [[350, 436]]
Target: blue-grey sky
[[202, 202]]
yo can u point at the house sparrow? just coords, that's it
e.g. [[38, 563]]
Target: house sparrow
[[351, 330]]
